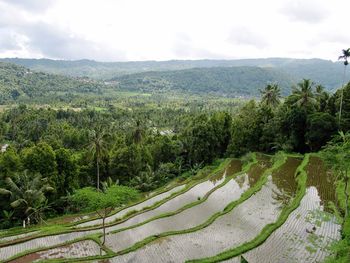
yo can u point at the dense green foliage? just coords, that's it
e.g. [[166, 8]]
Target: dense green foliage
[[26, 195], [21, 84], [229, 81], [61, 146], [337, 156]]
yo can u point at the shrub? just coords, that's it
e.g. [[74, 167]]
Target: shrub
[[89, 199]]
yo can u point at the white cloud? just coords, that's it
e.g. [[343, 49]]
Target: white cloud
[[173, 29], [310, 11]]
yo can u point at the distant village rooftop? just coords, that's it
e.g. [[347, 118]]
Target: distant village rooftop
[[4, 147]]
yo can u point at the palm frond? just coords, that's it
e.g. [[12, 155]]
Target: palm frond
[[5, 191], [18, 202]]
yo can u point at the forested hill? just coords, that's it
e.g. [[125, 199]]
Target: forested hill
[[325, 72], [223, 81], [20, 83]]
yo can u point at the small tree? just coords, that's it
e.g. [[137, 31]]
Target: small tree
[[106, 204], [102, 201]]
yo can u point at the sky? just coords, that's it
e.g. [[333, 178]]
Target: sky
[[134, 30]]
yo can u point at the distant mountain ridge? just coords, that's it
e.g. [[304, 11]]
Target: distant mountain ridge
[[223, 81], [324, 72]]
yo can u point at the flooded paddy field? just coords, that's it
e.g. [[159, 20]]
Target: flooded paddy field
[[14, 237], [194, 194], [241, 224], [309, 230], [191, 217], [84, 248], [149, 202], [40, 242]]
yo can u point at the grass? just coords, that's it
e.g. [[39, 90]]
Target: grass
[[301, 177]]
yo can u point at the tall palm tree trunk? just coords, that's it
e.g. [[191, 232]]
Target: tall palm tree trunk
[[98, 173], [341, 96], [346, 198]]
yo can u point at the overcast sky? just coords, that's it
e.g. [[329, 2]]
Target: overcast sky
[[119, 30]]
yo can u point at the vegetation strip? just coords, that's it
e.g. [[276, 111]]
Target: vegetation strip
[[218, 169], [301, 177], [246, 195]]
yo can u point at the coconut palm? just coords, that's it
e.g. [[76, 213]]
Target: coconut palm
[[322, 97], [303, 94], [27, 194], [138, 132], [146, 180], [345, 55], [98, 148], [109, 183], [271, 95]]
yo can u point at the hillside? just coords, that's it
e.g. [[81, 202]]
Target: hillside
[[20, 83], [326, 72], [228, 81]]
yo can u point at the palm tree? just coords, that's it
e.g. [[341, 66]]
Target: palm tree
[[109, 183], [345, 55], [98, 148], [146, 180], [27, 194], [271, 95], [303, 94], [322, 97], [138, 132]]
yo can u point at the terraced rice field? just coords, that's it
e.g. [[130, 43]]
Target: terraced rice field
[[295, 240], [232, 229], [187, 233], [191, 217], [138, 207], [10, 238], [84, 248]]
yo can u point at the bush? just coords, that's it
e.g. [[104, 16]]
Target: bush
[[89, 199]]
